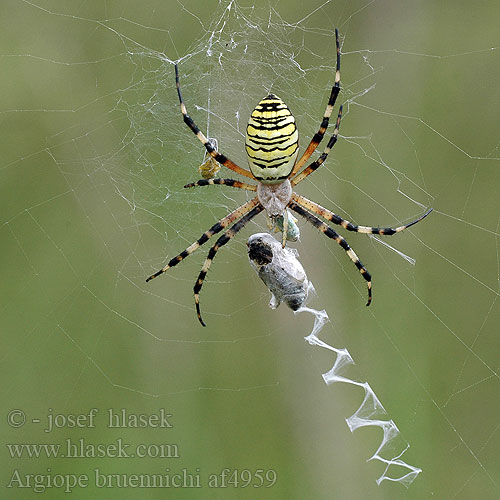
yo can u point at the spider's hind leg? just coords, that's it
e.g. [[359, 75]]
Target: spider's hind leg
[[318, 136], [225, 182], [220, 158]]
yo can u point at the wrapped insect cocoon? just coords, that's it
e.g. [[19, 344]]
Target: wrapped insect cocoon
[[209, 168], [293, 231], [280, 270]]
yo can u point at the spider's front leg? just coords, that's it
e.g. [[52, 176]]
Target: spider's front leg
[[225, 238], [328, 231], [336, 219], [216, 228]]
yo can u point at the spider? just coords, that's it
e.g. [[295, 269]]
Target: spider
[[272, 149]]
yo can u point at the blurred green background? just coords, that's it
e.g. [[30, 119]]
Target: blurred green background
[[95, 155]]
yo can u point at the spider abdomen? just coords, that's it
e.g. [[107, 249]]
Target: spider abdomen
[[272, 141]]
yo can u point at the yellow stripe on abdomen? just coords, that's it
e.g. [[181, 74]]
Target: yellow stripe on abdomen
[[272, 141]]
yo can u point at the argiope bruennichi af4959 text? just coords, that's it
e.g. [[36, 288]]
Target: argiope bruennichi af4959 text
[[272, 144]]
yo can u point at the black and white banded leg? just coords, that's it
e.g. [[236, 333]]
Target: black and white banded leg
[[224, 182], [330, 216], [318, 136], [328, 231], [316, 164], [216, 228], [223, 160], [225, 238]]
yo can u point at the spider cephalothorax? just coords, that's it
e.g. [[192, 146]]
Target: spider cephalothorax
[[272, 148]]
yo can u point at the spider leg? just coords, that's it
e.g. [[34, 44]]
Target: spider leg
[[316, 164], [326, 214], [225, 182], [223, 160], [328, 231], [225, 238], [216, 228], [326, 117]]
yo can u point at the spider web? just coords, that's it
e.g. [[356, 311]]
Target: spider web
[[95, 160]]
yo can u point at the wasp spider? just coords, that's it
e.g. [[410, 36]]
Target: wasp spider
[[272, 147]]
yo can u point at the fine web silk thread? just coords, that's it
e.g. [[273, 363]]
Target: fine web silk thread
[[284, 276]]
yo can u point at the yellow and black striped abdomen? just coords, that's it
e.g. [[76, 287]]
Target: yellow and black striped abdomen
[[272, 141]]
